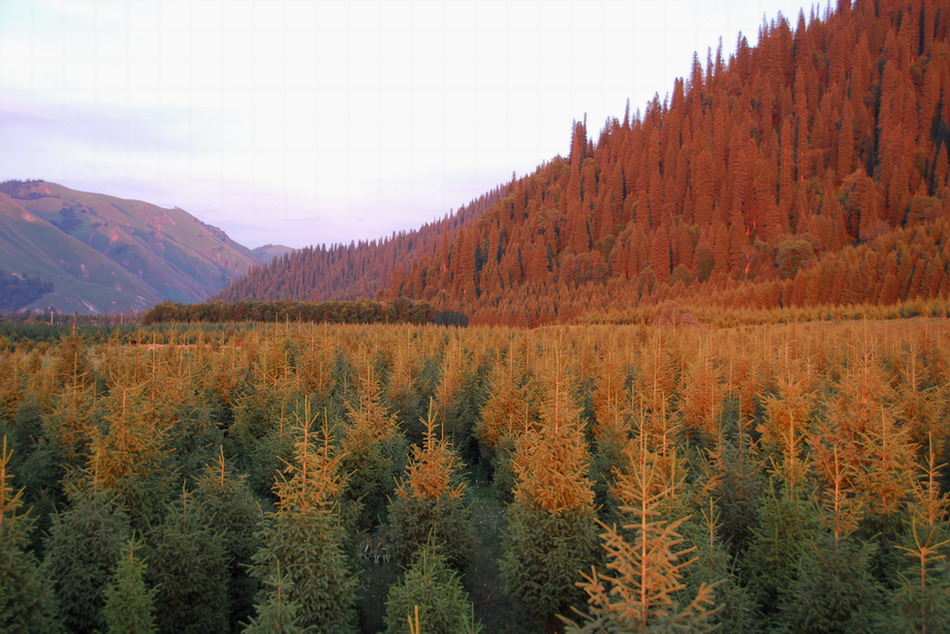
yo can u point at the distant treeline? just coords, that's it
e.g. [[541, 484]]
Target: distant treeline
[[17, 291], [361, 312]]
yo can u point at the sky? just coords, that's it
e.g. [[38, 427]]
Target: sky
[[304, 122]]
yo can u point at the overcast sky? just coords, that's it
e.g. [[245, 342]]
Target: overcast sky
[[308, 121]]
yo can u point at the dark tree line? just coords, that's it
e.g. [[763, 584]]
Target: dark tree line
[[362, 312]]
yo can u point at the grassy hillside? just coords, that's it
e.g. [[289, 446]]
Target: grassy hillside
[[106, 254]]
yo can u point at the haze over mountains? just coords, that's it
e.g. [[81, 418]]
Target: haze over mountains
[[810, 169], [93, 253]]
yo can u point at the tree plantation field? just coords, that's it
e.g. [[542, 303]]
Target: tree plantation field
[[299, 477]]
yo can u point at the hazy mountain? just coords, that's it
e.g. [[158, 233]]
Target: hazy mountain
[[268, 252], [84, 252], [810, 169]]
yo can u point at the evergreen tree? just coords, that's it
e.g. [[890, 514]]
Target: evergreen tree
[[432, 592], [374, 451], [429, 503], [786, 525], [642, 589], [129, 603], [223, 502], [189, 568], [833, 590], [276, 614], [26, 603], [305, 539], [550, 534], [920, 602], [83, 547]]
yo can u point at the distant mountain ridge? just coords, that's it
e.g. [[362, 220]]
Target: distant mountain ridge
[[93, 253], [811, 169]]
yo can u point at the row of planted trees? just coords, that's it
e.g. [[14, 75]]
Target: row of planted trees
[[422, 479]]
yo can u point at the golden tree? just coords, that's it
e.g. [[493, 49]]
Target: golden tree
[[642, 587]]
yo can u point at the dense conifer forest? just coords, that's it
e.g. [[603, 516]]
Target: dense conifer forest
[[809, 169], [279, 477]]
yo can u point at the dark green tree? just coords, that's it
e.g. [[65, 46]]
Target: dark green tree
[[82, 551], [305, 539], [432, 587], [129, 602], [26, 602], [188, 566], [222, 500], [551, 532], [429, 503]]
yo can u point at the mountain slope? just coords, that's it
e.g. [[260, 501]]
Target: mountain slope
[[824, 147], [106, 254], [354, 271]]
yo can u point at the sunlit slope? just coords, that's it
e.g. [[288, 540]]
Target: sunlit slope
[[106, 254]]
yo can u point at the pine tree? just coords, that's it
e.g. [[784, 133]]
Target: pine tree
[[374, 451], [550, 534], [786, 526], [26, 603], [642, 589], [921, 600], [188, 566], [223, 501], [129, 603], [82, 550], [432, 592], [305, 538], [429, 503], [276, 614]]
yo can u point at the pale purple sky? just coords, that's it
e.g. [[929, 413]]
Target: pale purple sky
[[306, 121]]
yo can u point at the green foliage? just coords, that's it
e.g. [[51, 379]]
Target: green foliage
[[433, 587], [429, 504], [786, 526], [189, 567], [359, 312], [305, 539], [26, 603], [276, 613], [81, 554], [129, 603], [448, 519], [543, 556], [833, 590], [224, 502], [375, 452], [260, 439]]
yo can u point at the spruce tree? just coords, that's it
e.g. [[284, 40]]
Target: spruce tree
[[276, 613], [189, 568], [551, 535], [26, 603], [431, 591], [223, 502], [920, 602], [305, 538], [82, 550], [374, 453], [643, 586], [129, 602], [429, 503]]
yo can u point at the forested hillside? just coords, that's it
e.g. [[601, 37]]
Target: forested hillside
[[353, 271], [789, 173]]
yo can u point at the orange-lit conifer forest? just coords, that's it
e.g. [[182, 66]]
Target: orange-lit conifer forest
[[704, 385]]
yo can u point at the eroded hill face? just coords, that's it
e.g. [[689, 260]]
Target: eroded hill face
[[106, 254]]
